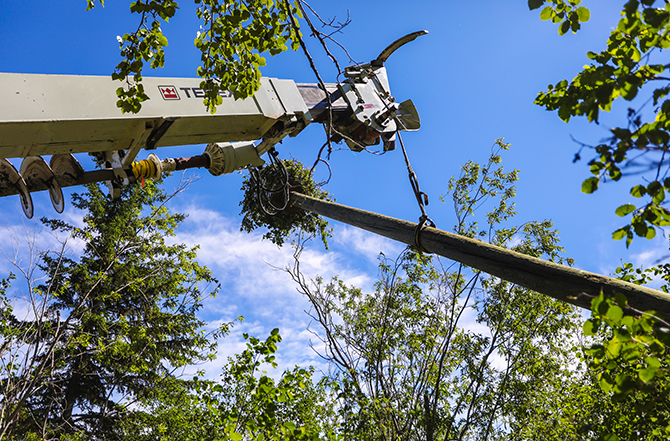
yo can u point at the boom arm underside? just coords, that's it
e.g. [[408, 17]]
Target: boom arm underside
[[50, 114]]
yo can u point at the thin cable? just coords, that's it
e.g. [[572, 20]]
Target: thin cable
[[421, 199]]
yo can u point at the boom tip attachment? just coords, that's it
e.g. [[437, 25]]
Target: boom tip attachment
[[386, 53]]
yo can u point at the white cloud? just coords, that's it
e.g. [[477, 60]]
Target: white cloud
[[651, 257], [366, 244], [254, 285], [249, 269], [643, 253]]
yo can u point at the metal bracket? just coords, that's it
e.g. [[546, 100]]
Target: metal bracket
[[146, 136], [139, 141], [276, 136], [114, 160]]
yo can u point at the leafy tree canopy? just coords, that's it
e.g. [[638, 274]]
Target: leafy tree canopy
[[246, 403], [438, 350], [630, 67], [620, 389], [234, 35]]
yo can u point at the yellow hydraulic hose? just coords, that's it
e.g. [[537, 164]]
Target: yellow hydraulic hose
[[144, 169]]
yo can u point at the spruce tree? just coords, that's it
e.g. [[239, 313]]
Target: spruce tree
[[117, 321]]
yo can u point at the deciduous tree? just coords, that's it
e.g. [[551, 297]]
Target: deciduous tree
[[439, 351], [630, 66], [245, 403], [234, 35]]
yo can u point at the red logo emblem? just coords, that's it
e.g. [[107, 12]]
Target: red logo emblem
[[169, 92]]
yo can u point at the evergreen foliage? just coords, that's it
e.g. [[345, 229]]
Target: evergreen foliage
[[109, 326]]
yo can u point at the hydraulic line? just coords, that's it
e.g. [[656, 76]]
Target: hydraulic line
[[153, 167], [144, 169]]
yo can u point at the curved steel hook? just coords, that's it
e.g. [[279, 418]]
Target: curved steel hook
[[386, 53]]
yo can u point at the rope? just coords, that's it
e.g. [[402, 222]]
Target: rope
[[421, 199]]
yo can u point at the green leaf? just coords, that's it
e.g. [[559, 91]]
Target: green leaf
[[640, 226], [647, 374], [625, 210], [590, 327], [654, 187], [614, 348], [547, 13], [564, 27], [615, 314], [659, 197], [621, 299], [651, 233], [583, 14], [534, 4], [629, 91], [596, 302], [596, 166], [638, 191], [624, 383], [653, 362], [590, 185], [621, 233], [632, 355], [606, 383]]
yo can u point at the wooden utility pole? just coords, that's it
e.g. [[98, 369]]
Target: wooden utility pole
[[560, 282]]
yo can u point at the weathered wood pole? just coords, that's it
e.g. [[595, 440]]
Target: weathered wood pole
[[560, 282]]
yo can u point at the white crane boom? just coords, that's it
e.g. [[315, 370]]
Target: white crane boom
[[50, 114], [60, 115]]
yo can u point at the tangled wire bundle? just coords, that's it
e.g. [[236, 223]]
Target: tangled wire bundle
[[265, 202]]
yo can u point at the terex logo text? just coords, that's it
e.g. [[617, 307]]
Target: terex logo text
[[172, 92]]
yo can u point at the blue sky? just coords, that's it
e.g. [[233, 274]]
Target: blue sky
[[473, 79]]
